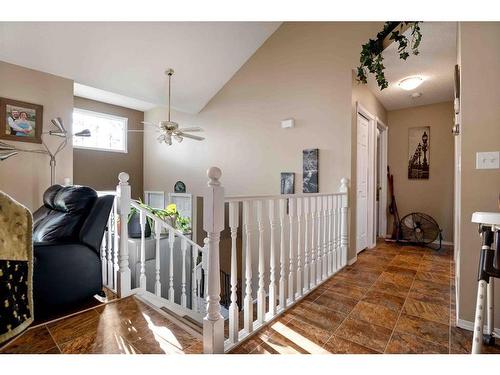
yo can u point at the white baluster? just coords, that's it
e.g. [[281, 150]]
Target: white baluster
[[248, 302], [233, 307], [272, 261], [183, 280], [339, 223], [330, 240], [142, 277], [312, 267], [111, 221], [157, 258], [194, 279], [319, 244], [282, 285], [325, 238], [299, 247], [204, 262], [306, 279], [213, 224], [291, 254], [171, 240], [344, 240], [103, 261], [116, 244], [124, 277], [261, 292]]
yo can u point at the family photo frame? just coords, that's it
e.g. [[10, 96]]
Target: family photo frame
[[20, 121]]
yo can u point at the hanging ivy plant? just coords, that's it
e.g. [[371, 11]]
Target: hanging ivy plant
[[371, 59]]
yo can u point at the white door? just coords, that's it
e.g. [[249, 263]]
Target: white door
[[362, 184]]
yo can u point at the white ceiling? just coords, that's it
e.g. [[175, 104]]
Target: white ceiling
[[124, 62], [435, 63]]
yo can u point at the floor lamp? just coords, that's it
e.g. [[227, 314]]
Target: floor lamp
[[7, 150]]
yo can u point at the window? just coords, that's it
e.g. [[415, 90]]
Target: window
[[108, 132]]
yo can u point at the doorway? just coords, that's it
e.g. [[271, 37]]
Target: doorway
[[371, 184]]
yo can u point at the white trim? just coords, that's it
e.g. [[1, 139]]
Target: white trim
[[109, 117], [146, 196], [384, 143], [351, 261], [469, 326], [372, 163]]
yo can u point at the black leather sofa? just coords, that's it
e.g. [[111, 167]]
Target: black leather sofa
[[67, 235]]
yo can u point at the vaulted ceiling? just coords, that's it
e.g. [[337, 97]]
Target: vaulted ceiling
[[125, 62]]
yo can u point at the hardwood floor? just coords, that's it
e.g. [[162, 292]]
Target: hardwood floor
[[394, 299]]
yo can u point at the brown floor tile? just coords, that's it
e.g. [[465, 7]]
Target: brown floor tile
[[389, 301], [246, 347], [429, 311], [362, 275], [434, 267], [336, 302], [338, 345], [346, 288], [196, 348], [317, 315], [307, 336], [396, 278], [32, 341], [279, 344], [390, 288], [154, 344], [426, 291], [460, 341], [402, 343], [70, 328], [402, 271], [98, 343], [397, 262], [366, 334], [434, 277], [375, 314], [431, 331]]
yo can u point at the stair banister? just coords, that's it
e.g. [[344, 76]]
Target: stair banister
[[123, 196], [344, 239], [213, 224]]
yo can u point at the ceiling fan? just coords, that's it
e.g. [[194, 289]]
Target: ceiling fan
[[169, 129]]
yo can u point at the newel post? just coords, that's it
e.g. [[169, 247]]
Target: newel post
[[213, 224], [344, 232], [123, 200]]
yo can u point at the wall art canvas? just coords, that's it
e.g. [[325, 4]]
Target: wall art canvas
[[310, 165], [287, 183], [419, 141], [20, 121]]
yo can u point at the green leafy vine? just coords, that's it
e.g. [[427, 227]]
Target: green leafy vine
[[371, 59]]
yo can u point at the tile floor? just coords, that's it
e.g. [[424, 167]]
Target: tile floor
[[394, 299], [125, 326]]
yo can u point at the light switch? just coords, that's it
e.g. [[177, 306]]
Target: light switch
[[488, 160]]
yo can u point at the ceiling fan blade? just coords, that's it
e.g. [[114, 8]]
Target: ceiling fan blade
[[191, 129], [191, 136]]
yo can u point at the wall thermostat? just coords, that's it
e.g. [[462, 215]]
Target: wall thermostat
[[288, 123]]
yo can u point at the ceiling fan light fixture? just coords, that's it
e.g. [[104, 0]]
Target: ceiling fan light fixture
[[178, 138], [410, 83]]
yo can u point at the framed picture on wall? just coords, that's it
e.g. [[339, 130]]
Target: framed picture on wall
[[20, 121], [310, 183], [287, 183], [419, 141]]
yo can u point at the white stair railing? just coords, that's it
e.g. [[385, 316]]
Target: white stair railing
[[176, 247], [303, 236]]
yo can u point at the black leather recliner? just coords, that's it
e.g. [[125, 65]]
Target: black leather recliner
[[67, 234]]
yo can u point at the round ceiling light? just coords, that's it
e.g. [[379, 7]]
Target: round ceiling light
[[410, 83], [415, 95]]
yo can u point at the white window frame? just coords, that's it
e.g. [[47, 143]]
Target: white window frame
[[106, 116]]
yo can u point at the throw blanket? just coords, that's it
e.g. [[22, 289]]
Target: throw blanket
[[16, 268]]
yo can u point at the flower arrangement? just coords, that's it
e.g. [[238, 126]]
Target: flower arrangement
[[168, 214]]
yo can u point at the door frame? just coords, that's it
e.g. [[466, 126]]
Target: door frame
[[382, 172], [372, 165]]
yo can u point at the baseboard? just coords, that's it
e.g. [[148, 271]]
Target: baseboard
[[350, 262], [469, 326]]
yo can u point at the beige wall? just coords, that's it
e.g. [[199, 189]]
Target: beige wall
[[302, 71], [360, 94], [480, 95], [100, 169], [26, 176], [435, 195]]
